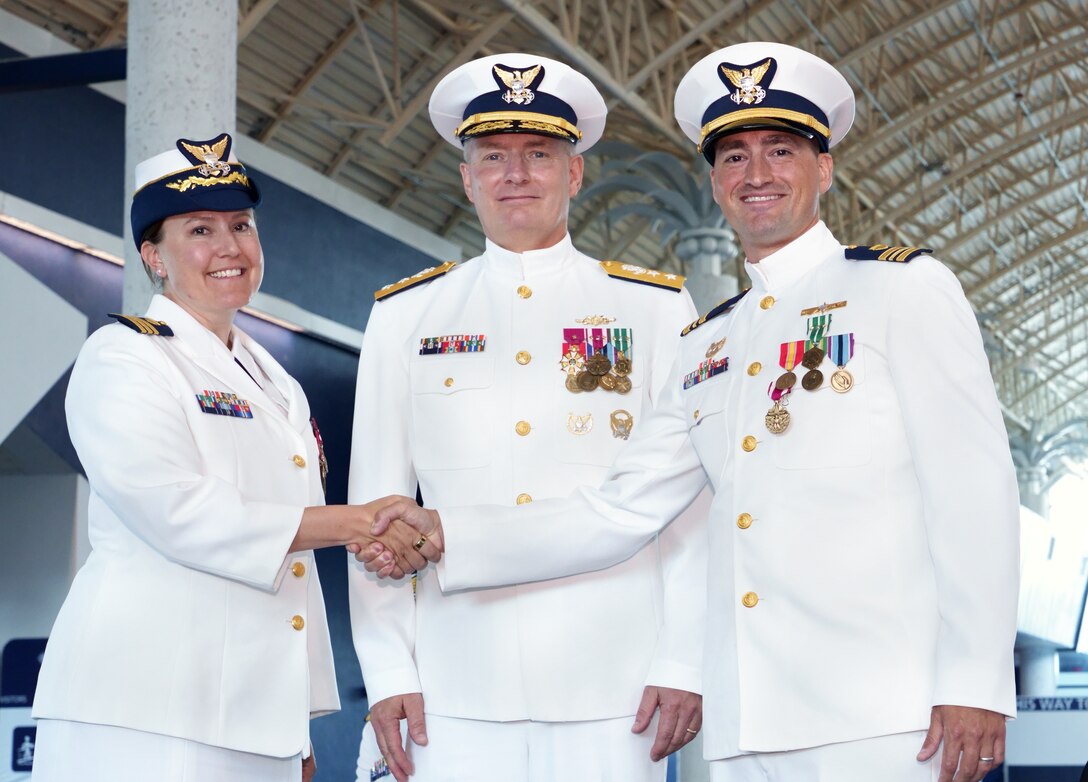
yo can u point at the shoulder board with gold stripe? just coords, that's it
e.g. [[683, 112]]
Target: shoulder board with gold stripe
[[626, 271], [152, 328], [883, 252], [721, 309], [428, 274]]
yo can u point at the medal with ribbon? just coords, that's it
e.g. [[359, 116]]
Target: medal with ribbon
[[597, 358], [777, 419], [815, 351], [789, 353], [840, 349]]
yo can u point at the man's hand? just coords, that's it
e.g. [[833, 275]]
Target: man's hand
[[680, 719], [426, 527], [309, 767], [385, 716], [405, 549], [974, 742]]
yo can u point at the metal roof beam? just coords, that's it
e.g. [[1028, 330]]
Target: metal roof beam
[[420, 99], [307, 81], [249, 22], [589, 64]]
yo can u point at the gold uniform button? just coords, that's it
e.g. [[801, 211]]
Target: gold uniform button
[[766, 302], [695, 415], [523, 357], [298, 460], [297, 622], [522, 428], [298, 570], [744, 520], [525, 291], [523, 499], [748, 443], [749, 600], [754, 368], [448, 382]]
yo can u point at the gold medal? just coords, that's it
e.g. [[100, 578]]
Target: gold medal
[[841, 380], [812, 380], [786, 381], [598, 364], [812, 358], [623, 385], [572, 384], [608, 382], [587, 381], [777, 419], [622, 424], [622, 367]]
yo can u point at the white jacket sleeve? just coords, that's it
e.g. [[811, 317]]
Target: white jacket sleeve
[[961, 456], [683, 545], [382, 611], [655, 477], [127, 422]]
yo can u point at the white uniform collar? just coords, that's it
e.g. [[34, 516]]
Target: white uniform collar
[[534, 263], [789, 264], [209, 351], [196, 335]]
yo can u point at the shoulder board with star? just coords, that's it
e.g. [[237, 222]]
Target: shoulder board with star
[[721, 309], [141, 325], [884, 252], [428, 274], [626, 271]]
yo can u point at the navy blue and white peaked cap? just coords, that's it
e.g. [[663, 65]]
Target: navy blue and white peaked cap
[[518, 93], [760, 85], [194, 176]]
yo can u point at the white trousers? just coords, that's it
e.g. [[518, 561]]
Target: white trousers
[[884, 758], [459, 750], [68, 751]]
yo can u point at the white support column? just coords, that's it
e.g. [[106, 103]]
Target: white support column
[[182, 82]]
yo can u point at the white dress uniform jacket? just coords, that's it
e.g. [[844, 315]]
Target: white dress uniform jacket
[[580, 648], [181, 620], [863, 564]]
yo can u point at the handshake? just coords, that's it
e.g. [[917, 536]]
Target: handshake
[[402, 537]]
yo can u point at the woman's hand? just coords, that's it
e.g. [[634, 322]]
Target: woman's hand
[[392, 516], [351, 525]]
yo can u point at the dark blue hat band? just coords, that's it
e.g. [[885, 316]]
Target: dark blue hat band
[[755, 105], [191, 191], [778, 109]]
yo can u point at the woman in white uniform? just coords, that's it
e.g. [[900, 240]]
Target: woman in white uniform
[[193, 644]]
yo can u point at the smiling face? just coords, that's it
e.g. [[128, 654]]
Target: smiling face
[[211, 264], [768, 184], [521, 186]]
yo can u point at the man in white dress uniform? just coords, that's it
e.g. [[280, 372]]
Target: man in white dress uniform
[[863, 536], [506, 379]]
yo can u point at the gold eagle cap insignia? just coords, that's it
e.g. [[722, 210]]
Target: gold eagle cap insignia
[[212, 155], [747, 80], [518, 83]]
